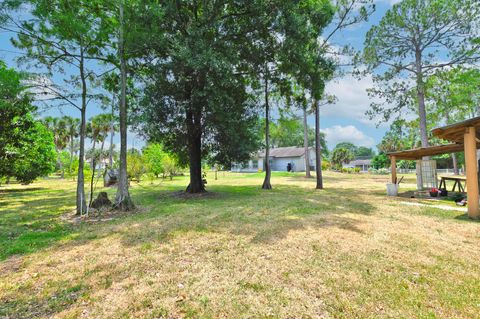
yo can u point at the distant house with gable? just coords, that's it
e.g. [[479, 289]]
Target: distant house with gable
[[362, 164], [279, 159]]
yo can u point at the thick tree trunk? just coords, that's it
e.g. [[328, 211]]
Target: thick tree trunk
[[195, 142], [318, 146], [305, 144], [123, 200], [268, 172], [81, 200], [421, 111], [421, 99], [194, 135]]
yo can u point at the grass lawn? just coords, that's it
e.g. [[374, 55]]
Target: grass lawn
[[239, 252]]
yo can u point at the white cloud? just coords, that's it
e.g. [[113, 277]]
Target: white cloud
[[353, 100], [349, 133]]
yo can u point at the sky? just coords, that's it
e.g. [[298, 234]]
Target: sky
[[345, 121]]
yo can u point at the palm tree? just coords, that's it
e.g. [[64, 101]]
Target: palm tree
[[58, 127], [73, 129], [97, 129]]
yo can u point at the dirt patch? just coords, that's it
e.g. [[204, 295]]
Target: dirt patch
[[12, 264]]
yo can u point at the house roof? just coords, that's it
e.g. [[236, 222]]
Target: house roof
[[361, 162], [291, 151]]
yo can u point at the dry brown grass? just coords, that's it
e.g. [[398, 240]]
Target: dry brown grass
[[294, 252]]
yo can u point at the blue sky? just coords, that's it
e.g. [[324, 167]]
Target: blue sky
[[343, 121]]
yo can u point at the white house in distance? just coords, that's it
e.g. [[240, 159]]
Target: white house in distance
[[280, 157], [362, 164]]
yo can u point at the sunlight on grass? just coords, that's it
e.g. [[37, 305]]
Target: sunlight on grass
[[345, 252]]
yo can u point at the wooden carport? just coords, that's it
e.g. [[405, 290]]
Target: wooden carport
[[463, 136]]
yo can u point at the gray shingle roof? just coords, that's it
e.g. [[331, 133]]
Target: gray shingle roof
[[361, 162], [291, 151]]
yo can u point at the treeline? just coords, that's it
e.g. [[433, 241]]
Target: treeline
[[192, 76]]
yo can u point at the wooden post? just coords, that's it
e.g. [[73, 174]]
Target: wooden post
[[393, 160], [470, 145]]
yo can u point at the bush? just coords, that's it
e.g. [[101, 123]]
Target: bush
[[135, 166], [326, 165], [380, 171]]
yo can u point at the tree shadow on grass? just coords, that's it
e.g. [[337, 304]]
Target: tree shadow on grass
[[20, 190], [465, 218], [266, 216], [31, 222]]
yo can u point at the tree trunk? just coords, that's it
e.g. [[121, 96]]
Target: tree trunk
[[123, 200], [94, 165], [454, 156], [421, 99], [318, 146], [112, 133], [268, 172], [72, 141], [305, 144], [80, 200], [94, 140], [455, 164], [91, 183], [421, 110], [194, 131], [60, 165]]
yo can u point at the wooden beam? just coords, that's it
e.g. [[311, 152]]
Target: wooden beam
[[471, 171], [394, 169]]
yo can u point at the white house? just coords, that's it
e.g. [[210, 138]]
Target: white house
[[279, 159], [362, 164]]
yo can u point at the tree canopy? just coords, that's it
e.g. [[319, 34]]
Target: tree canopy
[[413, 40], [27, 150]]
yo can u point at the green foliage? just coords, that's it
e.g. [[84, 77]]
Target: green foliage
[[26, 146], [135, 166], [35, 155], [406, 164], [153, 155], [350, 170], [171, 166], [347, 145], [412, 41], [357, 151], [380, 161], [326, 164], [453, 95], [363, 151], [341, 155], [379, 171], [73, 169], [289, 131], [402, 135]]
